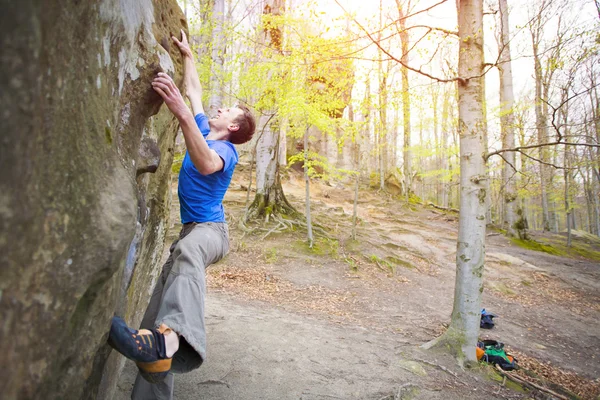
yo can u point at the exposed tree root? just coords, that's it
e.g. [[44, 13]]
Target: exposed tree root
[[451, 342], [528, 384], [438, 366], [443, 208], [270, 204], [281, 225]]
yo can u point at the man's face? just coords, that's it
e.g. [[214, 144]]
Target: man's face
[[225, 118]]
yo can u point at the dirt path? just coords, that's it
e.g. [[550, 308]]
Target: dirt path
[[260, 352], [344, 320]]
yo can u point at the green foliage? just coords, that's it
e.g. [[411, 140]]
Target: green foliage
[[303, 80], [319, 166], [382, 263], [271, 255], [374, 179], [177, 162], [352, 263], [108, 135], [533, 245], [579, 248], [321, 247], [399, 262], [414, 199]]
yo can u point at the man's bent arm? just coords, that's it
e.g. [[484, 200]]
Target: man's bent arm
[[204, 158]]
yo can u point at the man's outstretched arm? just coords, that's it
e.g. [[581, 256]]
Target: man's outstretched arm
[[190, 75]]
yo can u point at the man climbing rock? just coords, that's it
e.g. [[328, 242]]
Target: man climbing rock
[[173, 336]]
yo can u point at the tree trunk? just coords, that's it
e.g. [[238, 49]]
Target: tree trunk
[[436, 139], [462, 334], [307, 187], [269, 198], [218, 56], [383, 144], [522, 222], [444, 154], [568, 176], [485, 143], [382, 77], [542, 131], [404, 38], [357, 170], [507, 122]]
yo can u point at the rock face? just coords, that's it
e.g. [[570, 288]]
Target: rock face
[[85, 157]]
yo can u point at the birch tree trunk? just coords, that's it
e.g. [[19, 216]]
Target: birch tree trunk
[[507, 121], [218, 56], [542, 132], [382, 128], [355, 141], [444, 154], [462, 334], [543, 83], [522, 224], [269, 198], [307, 187], [382, 78], [404, 38], [436, 139]]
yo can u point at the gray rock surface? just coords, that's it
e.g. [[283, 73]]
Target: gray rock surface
[[85, 157]]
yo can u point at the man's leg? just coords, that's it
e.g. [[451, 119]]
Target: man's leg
[[182, 304], [144, 390], [178, 300]]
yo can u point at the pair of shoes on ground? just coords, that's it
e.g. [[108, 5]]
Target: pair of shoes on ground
[[146, 347]]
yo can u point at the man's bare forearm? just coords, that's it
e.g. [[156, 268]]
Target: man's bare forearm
[[192, 84]]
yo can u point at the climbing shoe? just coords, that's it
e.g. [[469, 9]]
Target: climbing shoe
[[145, 347]]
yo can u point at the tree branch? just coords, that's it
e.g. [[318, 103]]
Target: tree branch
[[535, 146], [461, 80]]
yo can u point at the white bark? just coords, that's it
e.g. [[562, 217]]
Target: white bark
[[382, 106], [307, 187], [507, 121], [266, 157], [463, 332], [218, 56], [404, 38], [269, 198], [282, 153], [444, 154]]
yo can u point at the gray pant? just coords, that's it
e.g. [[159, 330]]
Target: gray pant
[[178, 301]]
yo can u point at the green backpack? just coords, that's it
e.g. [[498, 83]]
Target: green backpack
[[493, 352]]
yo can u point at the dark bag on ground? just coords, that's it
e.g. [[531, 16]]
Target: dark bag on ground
[[487, 320], [492, 351]]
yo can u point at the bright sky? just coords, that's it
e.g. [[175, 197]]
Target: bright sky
[[330, 14], [444, 16]]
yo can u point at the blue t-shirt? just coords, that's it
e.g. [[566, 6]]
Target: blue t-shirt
[[201, 196]]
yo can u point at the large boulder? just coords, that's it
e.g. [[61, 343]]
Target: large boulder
[[85, 157]]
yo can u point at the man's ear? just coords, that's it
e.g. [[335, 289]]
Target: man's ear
[[233, 127]]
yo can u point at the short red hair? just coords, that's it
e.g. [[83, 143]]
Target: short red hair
[[247, 126]]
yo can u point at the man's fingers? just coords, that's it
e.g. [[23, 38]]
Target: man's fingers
[[166, 80], [160, 91], [165, 76], [183, 37], [163, 86]]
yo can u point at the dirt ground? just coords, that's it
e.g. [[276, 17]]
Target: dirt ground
[[345, 319]]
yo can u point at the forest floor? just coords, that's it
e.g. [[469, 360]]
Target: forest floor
[[345, 319]]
